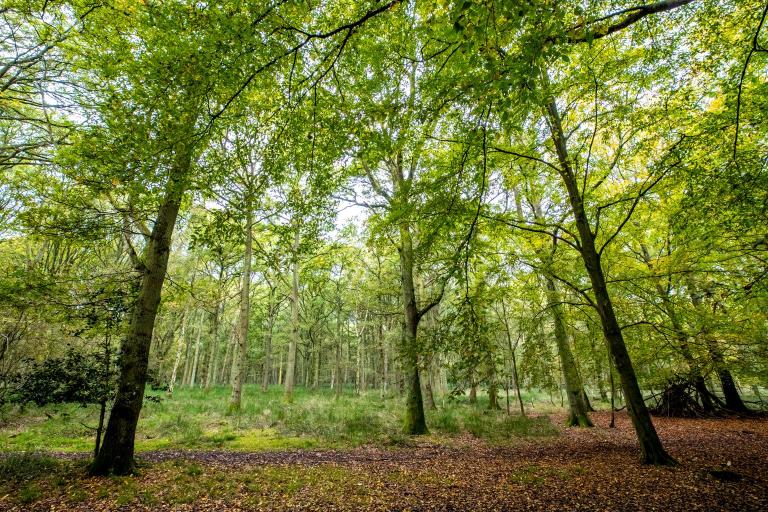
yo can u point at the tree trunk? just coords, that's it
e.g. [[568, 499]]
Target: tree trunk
[[428, 391], [316, 371], [651, 449], [196, 360], [577, 407], [290, 371], [578, 412], [733, 400], [180, 344], [266, 369], [116, 452], [415, 422], [240, 356], [213, 354]]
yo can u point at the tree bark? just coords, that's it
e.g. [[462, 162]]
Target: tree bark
[[415, 421], [578, 415], [290, 371], [196, 361], [651, 449], [117, 449], [240, 356], [180, 344]]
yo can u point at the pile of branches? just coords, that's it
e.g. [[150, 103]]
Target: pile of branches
[[680, 399]]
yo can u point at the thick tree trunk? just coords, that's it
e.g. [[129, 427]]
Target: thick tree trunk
[[116, 452], [290, 371], [415, 421], [651, 449], [472, 390], [429, 392], [493, 393], [240, 356]]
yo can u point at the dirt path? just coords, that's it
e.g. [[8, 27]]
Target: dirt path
[[723, 466]]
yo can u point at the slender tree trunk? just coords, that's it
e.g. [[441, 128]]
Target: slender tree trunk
[[578, 412], [266, 370], [240, 356], [180, 344], [316, 370], [384, 363], [613, 393], [578, 415], [198, 338], [213, 353], [226, 367], [290, 371], [651, 449], [116, 453], [359, 363], [512, 349]]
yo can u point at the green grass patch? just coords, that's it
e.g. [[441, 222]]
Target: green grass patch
[[198, 419]]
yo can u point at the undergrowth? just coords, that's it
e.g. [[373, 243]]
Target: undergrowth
[[199, 419]]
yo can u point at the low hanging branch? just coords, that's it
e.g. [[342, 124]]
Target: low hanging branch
[[756, 47]]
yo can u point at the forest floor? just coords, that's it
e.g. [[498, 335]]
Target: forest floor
[[723, 466]]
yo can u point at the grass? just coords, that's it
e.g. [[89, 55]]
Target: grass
[[198, 419]]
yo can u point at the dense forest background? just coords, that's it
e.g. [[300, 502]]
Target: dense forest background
[[426, 199]]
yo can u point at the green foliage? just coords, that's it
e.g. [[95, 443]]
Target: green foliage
[[75, 378]]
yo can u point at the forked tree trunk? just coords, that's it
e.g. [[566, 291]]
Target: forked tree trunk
[[117, 448], [651, 449]]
